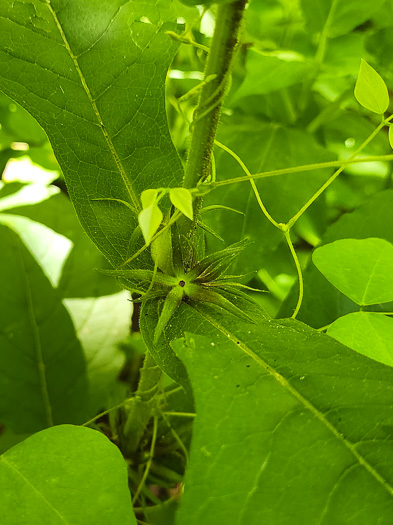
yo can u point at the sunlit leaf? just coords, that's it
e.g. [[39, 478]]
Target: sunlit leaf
[[150, 219], [370, 89], [182, 200]]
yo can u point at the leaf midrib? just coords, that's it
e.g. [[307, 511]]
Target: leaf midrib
[[307, 404], [107, 137]]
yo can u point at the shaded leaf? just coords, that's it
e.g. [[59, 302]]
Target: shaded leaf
[[42, 366], [263, 147], [340, 16], [65, 474], [267, 73], [101, 324], [78, 278]]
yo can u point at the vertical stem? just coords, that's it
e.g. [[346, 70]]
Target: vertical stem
[[209, 105], [228, 22], [141, 407]]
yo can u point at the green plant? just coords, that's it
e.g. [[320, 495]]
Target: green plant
[[263, 174]]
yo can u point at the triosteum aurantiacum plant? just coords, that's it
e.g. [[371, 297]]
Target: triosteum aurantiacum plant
[[230, 415]]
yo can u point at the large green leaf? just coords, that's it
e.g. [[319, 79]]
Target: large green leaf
[[42, 366], [291, 426], [93, 75], [65, 475]]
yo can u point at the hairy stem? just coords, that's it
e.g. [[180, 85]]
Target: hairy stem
[[207, 113], [142, 406]]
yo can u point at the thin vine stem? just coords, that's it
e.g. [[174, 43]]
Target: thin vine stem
[[287, 236], [251, 180], [304, 167], [331, 179], [149, 461], [176, 436], [180, 414], [280, 226]]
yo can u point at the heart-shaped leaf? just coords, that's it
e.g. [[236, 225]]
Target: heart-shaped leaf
[[368, 333], [360, 268]]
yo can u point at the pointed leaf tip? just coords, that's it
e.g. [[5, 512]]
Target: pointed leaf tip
[[181, 198], [370, 89]]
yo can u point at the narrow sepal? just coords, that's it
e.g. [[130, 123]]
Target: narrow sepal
[[172, 301], [212, 266]]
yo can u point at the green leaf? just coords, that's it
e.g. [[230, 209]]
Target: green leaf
[[338, 17], [391, 136], [42, 366], [148, 197], [361, 269], [93, 77], [285, 414], [207, 2], [161, 251], [368, 333], [48, 248], [270, 72], [65, 475], [181, 198], [150, 219], [370, 89]]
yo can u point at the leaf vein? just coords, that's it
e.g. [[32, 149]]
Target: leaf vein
[[307, 404], [107, 137]]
